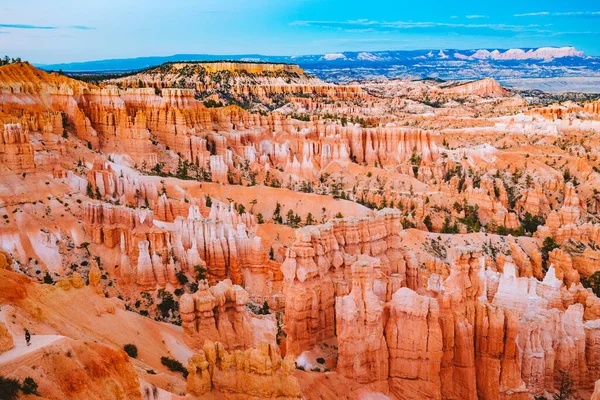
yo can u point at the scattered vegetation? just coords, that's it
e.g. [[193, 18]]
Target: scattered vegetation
[[8, 60], [593, 282], [548, 245], [174, 365], [131, 350], [167, 304], [566, 389], [29, 386], [10, 387], [258, 310], [200, 272]]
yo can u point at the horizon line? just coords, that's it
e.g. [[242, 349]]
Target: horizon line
[[41, 64]]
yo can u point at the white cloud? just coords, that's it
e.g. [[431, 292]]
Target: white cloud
[[534, 14], [475, 16], [393, 25], [558, 14]]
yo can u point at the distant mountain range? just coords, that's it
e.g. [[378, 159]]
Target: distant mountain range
[[501, 64]]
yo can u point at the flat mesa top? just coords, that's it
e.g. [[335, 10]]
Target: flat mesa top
[[251, 67]]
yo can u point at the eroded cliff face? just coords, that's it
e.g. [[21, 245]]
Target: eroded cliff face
[[219, 312], [485, 87], [318, 267], [466, 330], [258, 372], [414, 339], [359, 315], [263, 83], [75, 370], [6, 340]]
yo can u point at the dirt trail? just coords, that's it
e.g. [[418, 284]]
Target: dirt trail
[[21, 350]]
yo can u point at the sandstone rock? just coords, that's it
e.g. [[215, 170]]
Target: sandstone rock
[[485, 87], [363, 354], [257, 372], [219, 313], [414, 338], [5, 260], [6, 339], [596, 394], [15, 150]]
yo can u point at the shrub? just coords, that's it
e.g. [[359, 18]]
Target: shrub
[[408, 224], [9, 388], [566, 389], [167, 303], [548, 245], [531, 222], [471, 219], [48, 279], [271, 254], [131, 350], [593, 282], [29, 386], [448, 227], [265, 308], [193, 287], [174, 365], [256, 309], [200, 272], [427, 222], [210, 103], [181, 278]]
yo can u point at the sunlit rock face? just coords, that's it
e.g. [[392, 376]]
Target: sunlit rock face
[[6, 339], [219, 312], [414, 338], [359, 322], [258, 372]]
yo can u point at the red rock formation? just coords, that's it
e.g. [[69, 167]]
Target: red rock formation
[[490, 209], [363, 353], [485, 88], [457, 321], [219, 313], [414, 338], [309, 316], [563, 263], [6, 339], [72, 369], [497, 361], [561, 111], [245, 79], [15, 150], [258, 372], [534, 201], [592, 108], [596, 394]]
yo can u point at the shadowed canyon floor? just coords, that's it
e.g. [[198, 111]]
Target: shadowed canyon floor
[[254, 232]]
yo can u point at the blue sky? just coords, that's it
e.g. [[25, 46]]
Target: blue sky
[[66, 30]]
